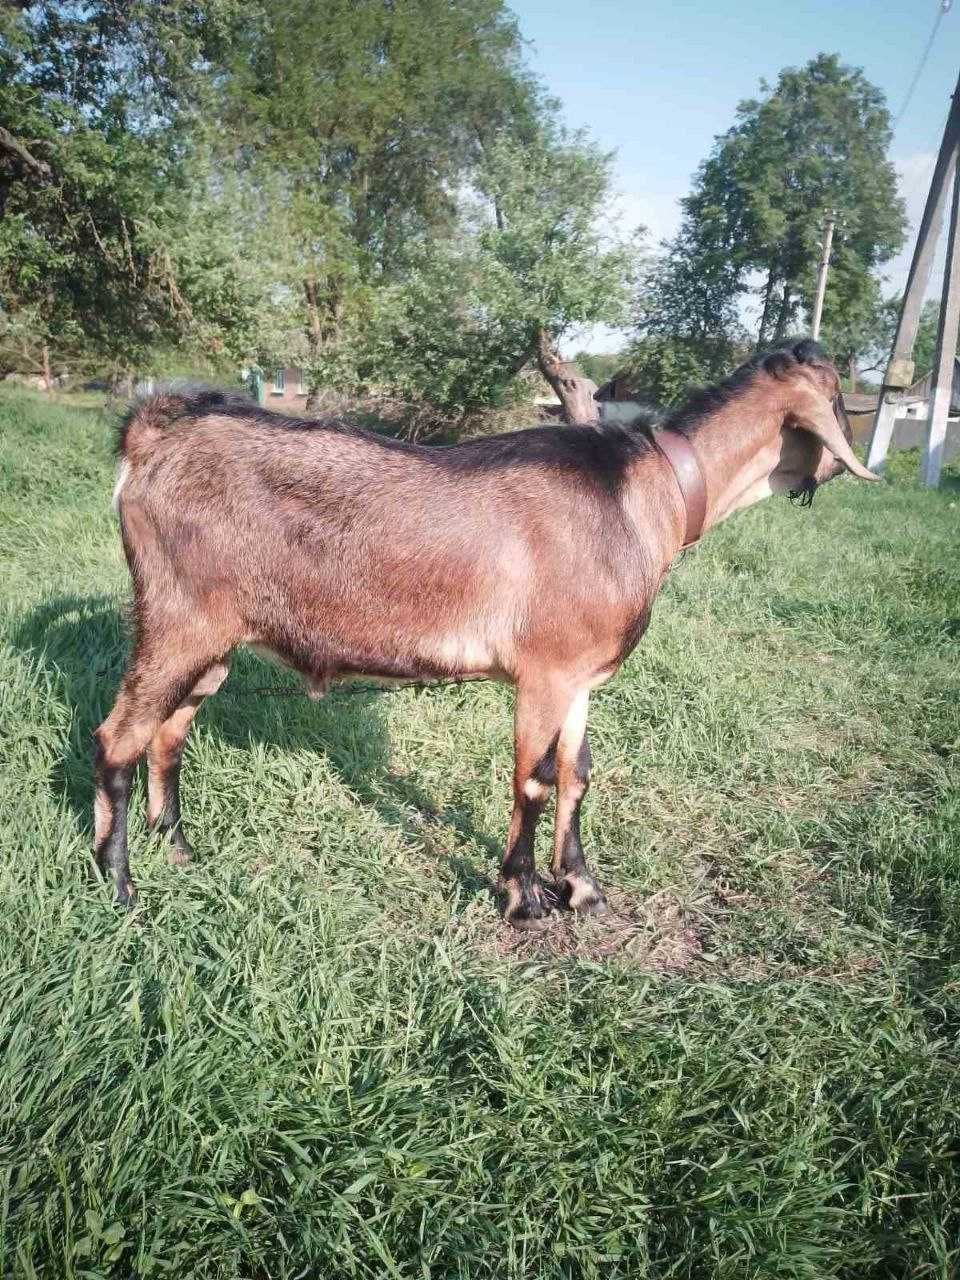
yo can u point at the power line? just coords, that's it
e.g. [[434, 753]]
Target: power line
[[945, 6]]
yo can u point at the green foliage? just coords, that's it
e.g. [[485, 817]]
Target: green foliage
[[356, 135], [814, 145], [315, 1053], [600, 366], [876, 351], [690, 292], [458, 326], [211, 185], [384, 198], [664, 370], [111, 244], [856, 328], [370, 113], [925, 347], [540, 229]]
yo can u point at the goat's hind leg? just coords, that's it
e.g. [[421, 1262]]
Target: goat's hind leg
[[152, 689], [164, 758]]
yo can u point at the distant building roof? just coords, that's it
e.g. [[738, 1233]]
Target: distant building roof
[[859, 401], [923, 388]]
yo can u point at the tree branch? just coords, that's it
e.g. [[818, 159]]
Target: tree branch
[[574, 392], [14, 147]]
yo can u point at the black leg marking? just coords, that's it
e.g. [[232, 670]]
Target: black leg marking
[[113, 784], [584, 761], [580, 890], [546, 771], [526, 907]]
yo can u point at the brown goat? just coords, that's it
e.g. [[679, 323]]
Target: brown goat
[[533, 557]]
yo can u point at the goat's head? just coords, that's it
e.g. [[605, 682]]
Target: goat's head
[[815, 433]]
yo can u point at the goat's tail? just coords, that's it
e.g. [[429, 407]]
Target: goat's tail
[[150, 417], [146, 420]]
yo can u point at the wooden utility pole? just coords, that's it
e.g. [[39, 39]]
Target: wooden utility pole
[[900, 372], [822, 277], [946, 354]]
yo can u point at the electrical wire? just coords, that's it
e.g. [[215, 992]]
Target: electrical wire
[[945, 6]]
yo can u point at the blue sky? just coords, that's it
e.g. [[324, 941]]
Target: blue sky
[[657, 81]]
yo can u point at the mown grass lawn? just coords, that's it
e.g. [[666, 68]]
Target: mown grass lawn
[[317, 1052]]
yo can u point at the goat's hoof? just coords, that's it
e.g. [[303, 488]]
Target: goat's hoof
[[597, 907], [527, 908], [179, 852], [583, 895], [180, 855], [125, 894]]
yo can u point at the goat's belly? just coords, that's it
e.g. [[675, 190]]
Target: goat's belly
[[322, 662]]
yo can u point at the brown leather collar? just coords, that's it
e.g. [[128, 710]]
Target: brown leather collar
[[677, 450]]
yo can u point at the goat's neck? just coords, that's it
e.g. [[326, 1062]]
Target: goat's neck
[[738, 447]]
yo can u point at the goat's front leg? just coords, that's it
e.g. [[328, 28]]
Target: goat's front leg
[[572, 765], [540, 711]]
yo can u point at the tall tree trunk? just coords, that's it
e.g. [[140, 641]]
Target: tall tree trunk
[[574, 392], [314, 334], [767, 302], [47, 375], [783, 315], [853, 374]]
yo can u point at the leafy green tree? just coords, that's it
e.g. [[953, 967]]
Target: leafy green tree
[[663, 370], [377, 189], [557, 269], [814, 144], [109, 244], [856, 328], [874, 352], [925, 347], [599, 366], [357, 121], [526, 265]]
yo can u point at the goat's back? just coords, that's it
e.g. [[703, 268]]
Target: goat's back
[[305, 528]]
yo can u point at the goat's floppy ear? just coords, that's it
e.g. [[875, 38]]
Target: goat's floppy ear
[[820, 420]]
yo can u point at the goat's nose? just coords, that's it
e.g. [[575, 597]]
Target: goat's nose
[[827, 468]]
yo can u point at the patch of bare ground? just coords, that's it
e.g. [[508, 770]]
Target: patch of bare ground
[[658, 934]]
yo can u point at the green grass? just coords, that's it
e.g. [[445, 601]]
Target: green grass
[[317, 1053]]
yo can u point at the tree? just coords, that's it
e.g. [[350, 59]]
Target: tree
[[686, 323], [925, 347], [358, 134], [107, 225], [526, 264], [268, 178], [601, 366], [559, 269], [666, 369], [813, 144], [857, 323]]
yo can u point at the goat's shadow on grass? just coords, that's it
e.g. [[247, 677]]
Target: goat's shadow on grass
[[81, 644]]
